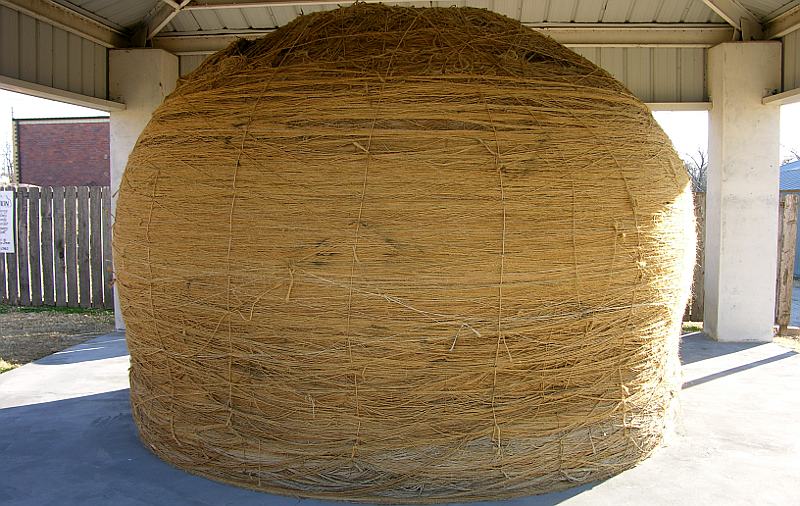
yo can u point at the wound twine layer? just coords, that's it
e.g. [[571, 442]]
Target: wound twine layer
[[391, 254]]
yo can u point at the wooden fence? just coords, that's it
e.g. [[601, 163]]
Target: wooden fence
[[694, 310], [63, 248], [787, 239]]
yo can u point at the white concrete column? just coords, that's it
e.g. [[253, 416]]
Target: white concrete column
[[141, 78], [742, 200]]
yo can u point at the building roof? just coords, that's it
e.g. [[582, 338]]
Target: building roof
[[790, 176]]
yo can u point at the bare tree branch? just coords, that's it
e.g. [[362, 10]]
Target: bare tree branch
[[794, 155], [697, 168], [6, 164]]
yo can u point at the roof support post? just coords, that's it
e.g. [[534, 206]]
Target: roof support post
[[141, 78], [742, 200]]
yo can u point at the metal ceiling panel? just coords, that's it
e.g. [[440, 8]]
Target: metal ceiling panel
[[233, 19], [589, 11], [284, 14], [533, 12], [698, 12], [37, 52], [183, 22], [654, 74], [261, 17], [527, 11], [561, 12], [120, 13], [791, 61], [644, 12], [208, 20], [617, 11], [673, 10], [510, 8], [767, 9]]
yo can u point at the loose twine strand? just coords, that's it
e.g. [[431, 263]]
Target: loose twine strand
[[390, 254]]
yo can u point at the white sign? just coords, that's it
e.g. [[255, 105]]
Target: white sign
[[6, 221]]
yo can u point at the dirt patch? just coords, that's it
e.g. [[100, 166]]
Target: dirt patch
[[791, 342], [27, 334]]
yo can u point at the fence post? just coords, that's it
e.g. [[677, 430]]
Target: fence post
[[84, 254], [786, 249], [71, 244], [59, 247], [48, 280], [108, 295], [34, 248], [96, 246], [22, 247]]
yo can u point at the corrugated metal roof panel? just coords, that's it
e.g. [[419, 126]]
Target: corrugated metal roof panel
[[259, 17], [768, 9], [527, 11], [617, 11], [790, 176], [791, 60], [589, 11], [561, 12], [41, 53], [644, 12], [207, 19], [124, 14], [654, 74], [698, 12], [671, 10], [533, 12]]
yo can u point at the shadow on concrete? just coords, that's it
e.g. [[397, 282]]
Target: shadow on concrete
[[734, 370], [85, 451], [697, 346], [539, 500], [99, 348]]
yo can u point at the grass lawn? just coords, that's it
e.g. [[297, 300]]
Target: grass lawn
[[689, 327], [30, 333]]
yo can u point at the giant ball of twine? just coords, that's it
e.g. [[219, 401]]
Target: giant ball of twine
[[403, 255]]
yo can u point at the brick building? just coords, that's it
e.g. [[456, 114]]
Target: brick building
[[62, 151]]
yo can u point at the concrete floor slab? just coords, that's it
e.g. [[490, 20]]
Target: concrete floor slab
[[67, 438]]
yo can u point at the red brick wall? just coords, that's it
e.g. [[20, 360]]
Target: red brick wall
[[63, 154]]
